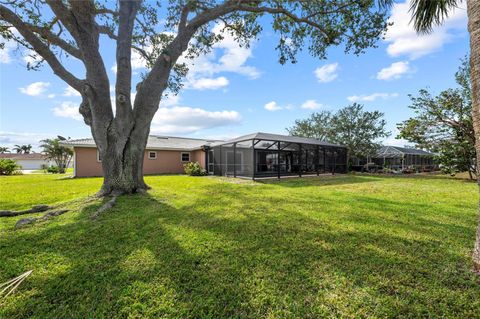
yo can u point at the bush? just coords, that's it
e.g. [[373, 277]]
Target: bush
[[8, 167], [53, 169], [194, 169]]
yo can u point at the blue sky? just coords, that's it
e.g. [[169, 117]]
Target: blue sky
[[235, 91]]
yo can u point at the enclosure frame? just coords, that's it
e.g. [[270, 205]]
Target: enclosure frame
[[275, 157]]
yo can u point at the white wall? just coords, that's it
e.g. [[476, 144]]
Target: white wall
[[31, 164]]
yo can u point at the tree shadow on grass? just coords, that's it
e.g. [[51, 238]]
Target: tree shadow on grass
[[325, 180], [229, 252]]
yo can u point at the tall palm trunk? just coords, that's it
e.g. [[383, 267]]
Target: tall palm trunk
[[473, 10]]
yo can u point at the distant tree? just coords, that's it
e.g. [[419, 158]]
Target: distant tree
[[443, 124], [61, 155], [358, 130], [164, 34], [4, 150], [316, 126], [351, 126], [22, 149]]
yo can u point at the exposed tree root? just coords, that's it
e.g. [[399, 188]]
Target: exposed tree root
[[105, 207], [34, 209], [31, 220], [106, 191]]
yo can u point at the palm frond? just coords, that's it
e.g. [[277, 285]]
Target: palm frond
[[429, 13]]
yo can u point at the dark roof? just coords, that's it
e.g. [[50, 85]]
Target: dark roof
[[278, 137], [396, 150], [31, 156]]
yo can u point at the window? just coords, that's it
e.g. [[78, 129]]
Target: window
[[99, 157], [152, 155], [185, 157]]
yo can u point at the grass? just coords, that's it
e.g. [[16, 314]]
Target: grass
[[344, 246]]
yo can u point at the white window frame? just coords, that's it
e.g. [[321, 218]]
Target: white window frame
[[152, 158], [98, 156], [189, 157]]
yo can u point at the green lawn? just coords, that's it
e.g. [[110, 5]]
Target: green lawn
[[344, 246]]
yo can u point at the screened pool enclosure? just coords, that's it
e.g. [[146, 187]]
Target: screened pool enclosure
[[270, 155]]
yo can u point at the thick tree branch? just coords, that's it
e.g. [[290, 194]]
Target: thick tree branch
[[65, 16], [157, 79], [54, 39], [183, 18], [128, 12], [110, 33], [42, 49]]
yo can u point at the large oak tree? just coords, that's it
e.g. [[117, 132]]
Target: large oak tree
[[162, 32]]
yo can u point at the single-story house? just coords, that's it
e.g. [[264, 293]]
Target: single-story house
[[28, 161], [251, 156], [163, 155]]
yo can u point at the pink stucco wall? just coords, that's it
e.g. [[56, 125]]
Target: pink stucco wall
[[86, 163]]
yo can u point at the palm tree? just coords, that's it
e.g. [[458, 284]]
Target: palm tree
[[4, 150], [27, 148], [425, 15], [18, 149], [22, 149]]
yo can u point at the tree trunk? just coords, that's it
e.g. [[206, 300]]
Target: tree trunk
[[473, 11], [122, 162]]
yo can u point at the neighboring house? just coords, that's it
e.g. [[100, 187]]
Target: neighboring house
[[399, 159], [254, 155], [402, 158], [28, 161]]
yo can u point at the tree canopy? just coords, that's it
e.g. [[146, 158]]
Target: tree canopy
[[166, 34], [351, 126], [443, 124]]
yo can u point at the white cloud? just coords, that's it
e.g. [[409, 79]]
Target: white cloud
[[273, 106], [326, 73], [307, 105], [5, 55], [311, 105], [68, 110], [371, 97], [51, 96], [69, 91], [209, 84], [35, 89], [31, 57], [394, 71], [226, 56], [183, 119], [170, 100], [403, 40], [9, 139]]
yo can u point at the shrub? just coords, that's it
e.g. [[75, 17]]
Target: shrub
[[194, 169], [53, 169], [8, 167]]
